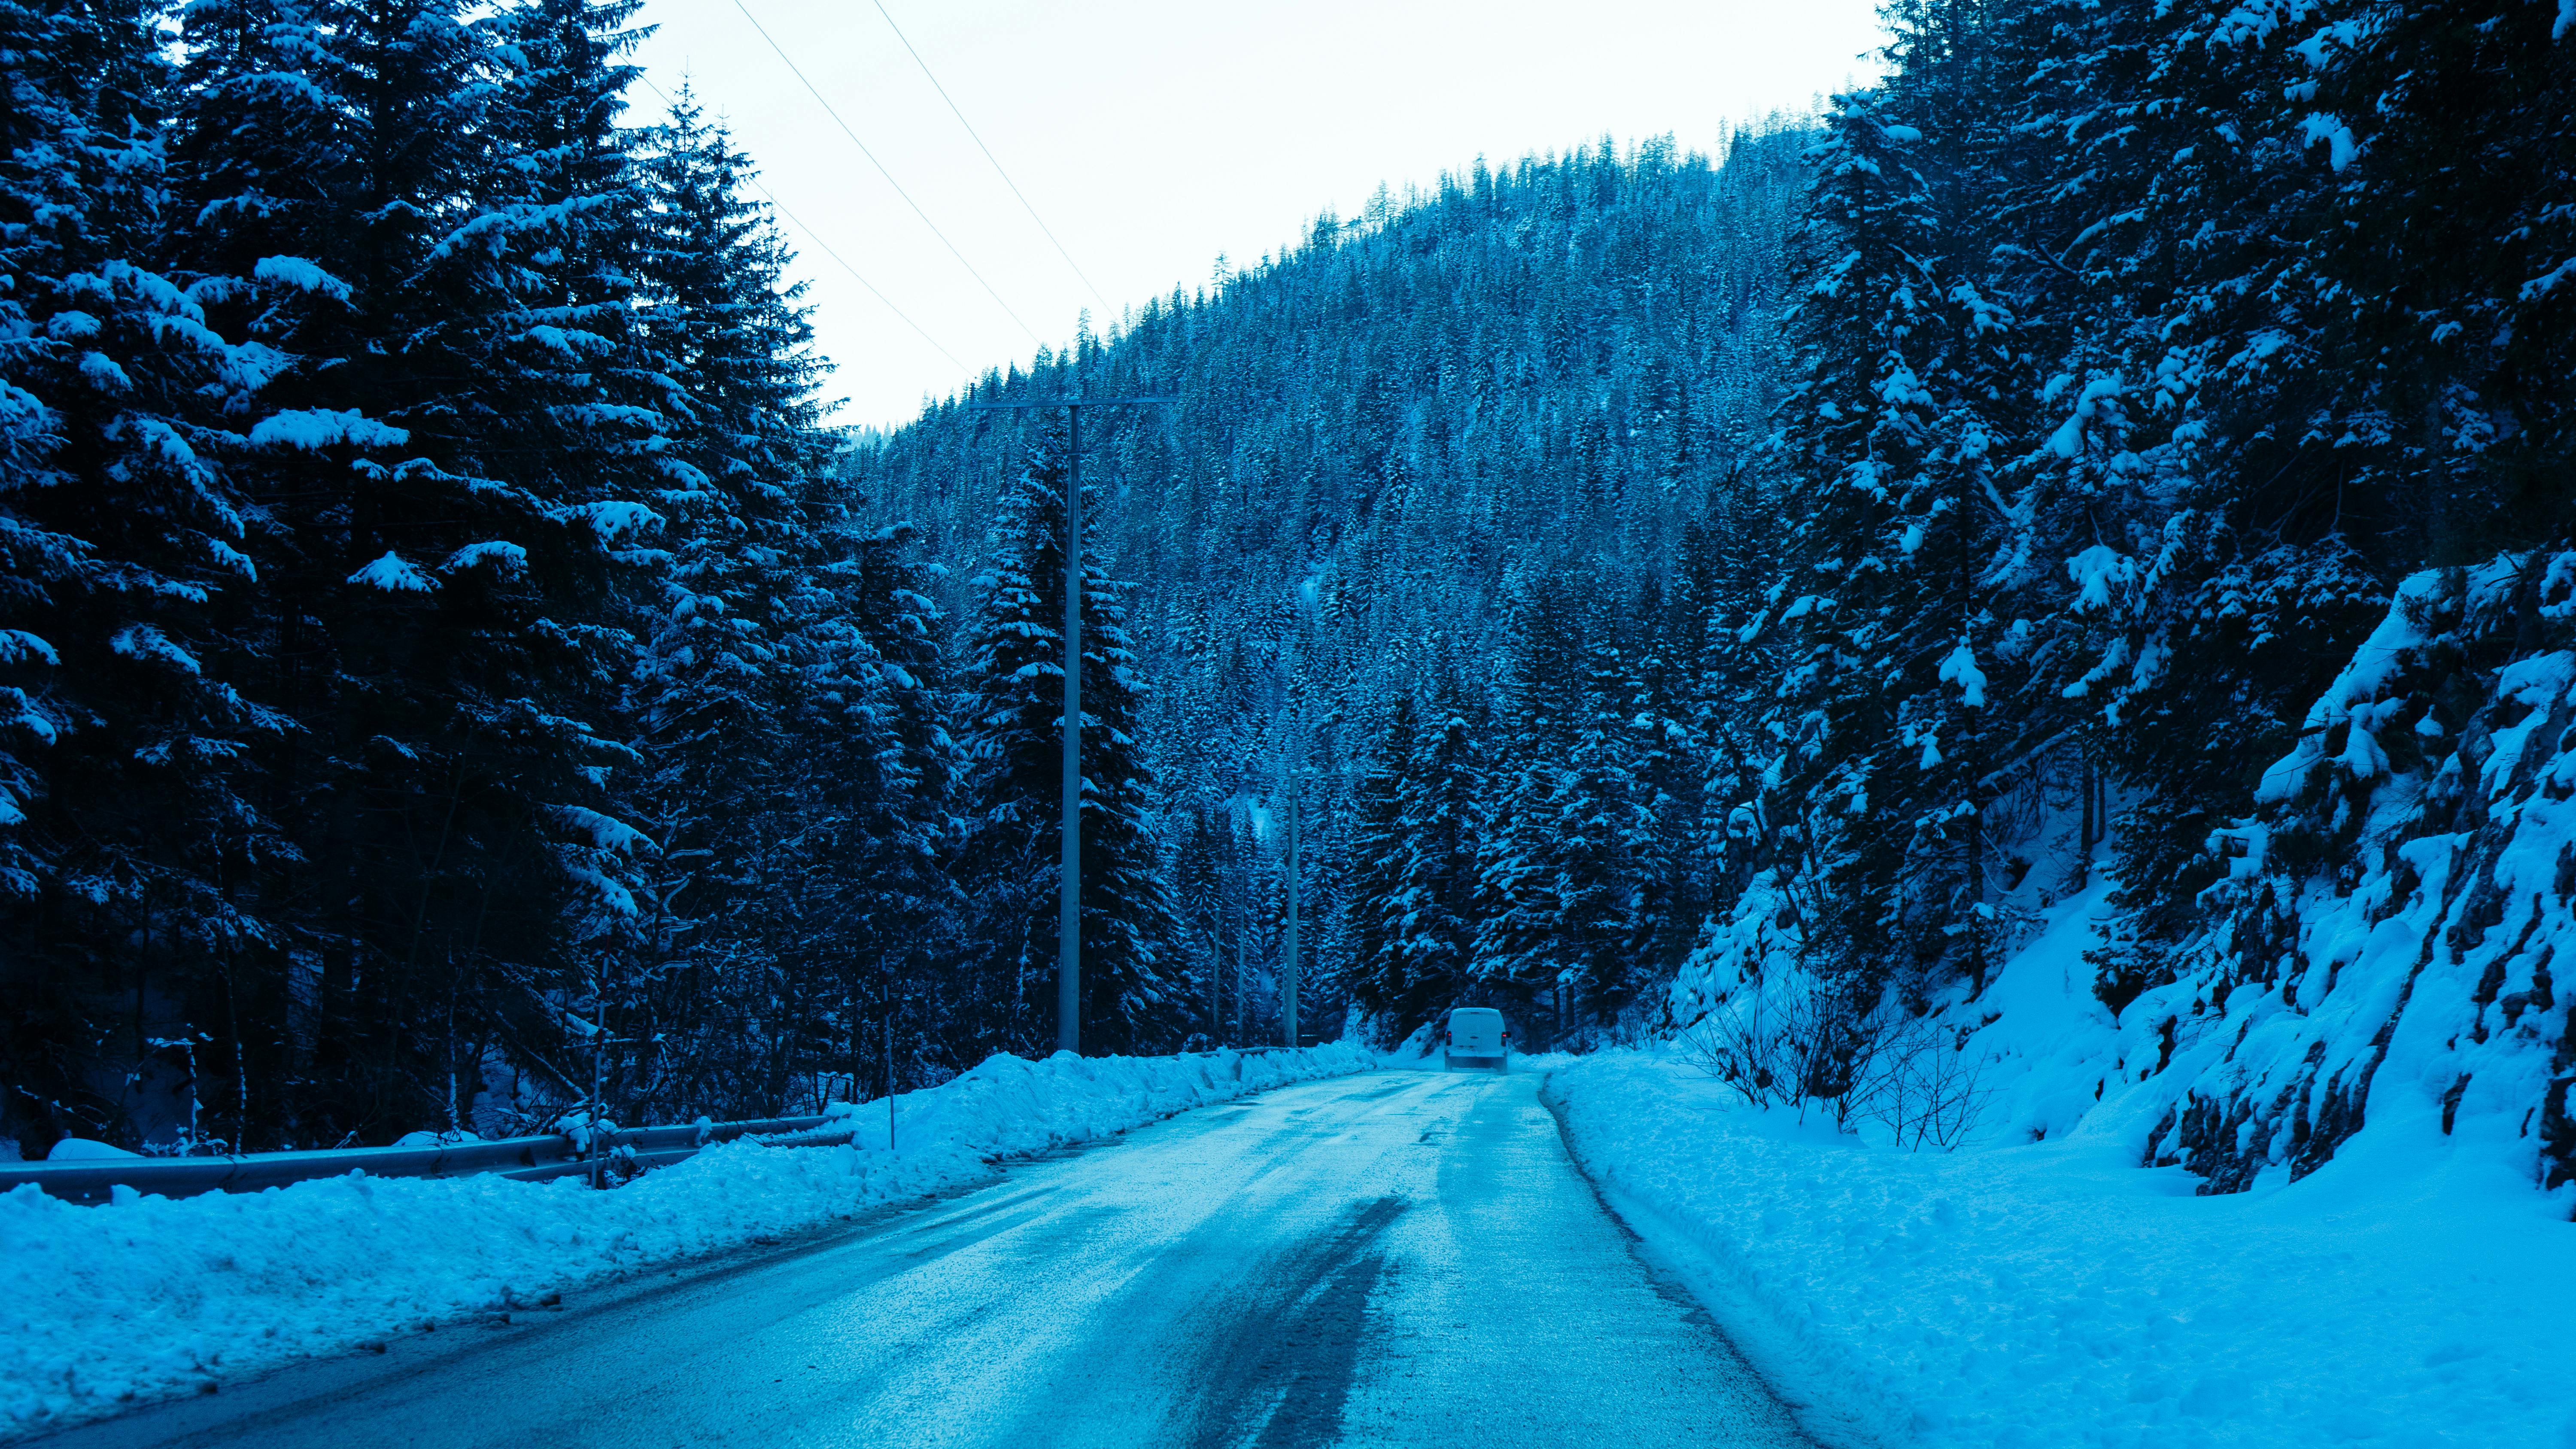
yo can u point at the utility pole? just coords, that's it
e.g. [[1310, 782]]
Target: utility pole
[[1068, 954], [598, 1070], [1288, 990], [1296, 774]]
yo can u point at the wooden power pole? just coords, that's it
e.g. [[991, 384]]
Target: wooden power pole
[[1288, 986], [1068, 957]]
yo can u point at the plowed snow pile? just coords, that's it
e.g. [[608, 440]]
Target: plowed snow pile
[[2056, 1294], [151, 1296]]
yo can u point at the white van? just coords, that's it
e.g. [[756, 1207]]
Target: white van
[[1476, 1037]]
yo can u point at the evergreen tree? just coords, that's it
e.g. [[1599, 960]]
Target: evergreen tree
[[1599, 831], [1863, 721], [1519, 915], [130, 832], [1433, 938], [446, 450], [746, 722], [1377, 857]]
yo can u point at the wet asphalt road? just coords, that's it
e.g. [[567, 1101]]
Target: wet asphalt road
[[1397, 1259]]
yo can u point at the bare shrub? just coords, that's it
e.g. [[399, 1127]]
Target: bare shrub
[[1788, 1042], [1921, 1082], [1756, 1045]]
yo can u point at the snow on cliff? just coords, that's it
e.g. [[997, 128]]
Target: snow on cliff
[[2378, 944]]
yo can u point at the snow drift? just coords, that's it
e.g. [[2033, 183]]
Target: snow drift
[[2055, 1296], [2385, 931]]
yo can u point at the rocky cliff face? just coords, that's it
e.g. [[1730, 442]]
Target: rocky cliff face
[[2383, 942]]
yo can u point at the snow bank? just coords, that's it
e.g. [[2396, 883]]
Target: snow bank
[[81, 1149], [2407, 1292], [151, 1296]]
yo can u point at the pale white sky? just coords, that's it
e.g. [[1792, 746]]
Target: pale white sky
[[1153, 135]]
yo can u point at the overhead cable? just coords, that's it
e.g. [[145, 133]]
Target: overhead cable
[[888, 175], [814, 237], [817, 239], [988, 154]]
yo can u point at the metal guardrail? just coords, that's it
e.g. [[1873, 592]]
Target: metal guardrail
[[526, 1158], [530, 1159]]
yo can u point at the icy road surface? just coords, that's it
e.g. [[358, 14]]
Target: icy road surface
[[1395, 1259]]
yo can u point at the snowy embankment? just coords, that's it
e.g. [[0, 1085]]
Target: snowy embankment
[[100, 1306], [2302, 1177], [2057, 1294]]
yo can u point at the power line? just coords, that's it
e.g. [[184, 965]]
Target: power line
[[988, 153], [817, 239], [888, 175], [814, 237]]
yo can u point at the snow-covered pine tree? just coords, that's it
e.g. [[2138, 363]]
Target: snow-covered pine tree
[[724, 685], [1517, 914], [1433, 936], [1602, 847], [1376, 871], [1725, 593], [1668, 767], [2212, 577], [873, 792], [433, 237], [575, 394], [1198, 910], [1570, 888], [132, 833], [1858, 756]]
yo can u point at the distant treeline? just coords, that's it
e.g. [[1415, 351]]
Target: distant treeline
[[1434, 535]]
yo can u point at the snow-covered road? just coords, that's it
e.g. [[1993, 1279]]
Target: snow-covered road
[[1400, 1258]]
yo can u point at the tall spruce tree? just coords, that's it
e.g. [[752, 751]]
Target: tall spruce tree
[[1433, 936], [1377, 854], [1859, 731], [721, 690], [131, 835]]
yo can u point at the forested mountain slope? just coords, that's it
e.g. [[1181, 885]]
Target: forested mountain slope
[[2143, 451], [1430, 509]]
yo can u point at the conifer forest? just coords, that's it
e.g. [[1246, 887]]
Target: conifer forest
[[455, 672]]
